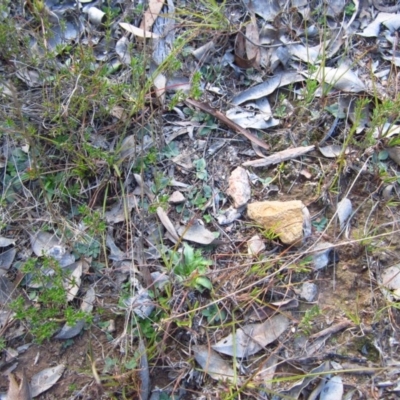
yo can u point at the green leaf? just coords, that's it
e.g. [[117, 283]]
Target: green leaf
[[188, 253], [205, 282]]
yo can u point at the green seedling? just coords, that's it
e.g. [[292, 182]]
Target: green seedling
[[190, 268], [306, 322], [49, 306]]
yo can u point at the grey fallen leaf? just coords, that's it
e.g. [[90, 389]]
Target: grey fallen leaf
[[120, 211], [335, 7], [122, 49], [144, 373], [394, 154], [333, 389], [298, 387], [228, 216], [393, 23], [137, 31], [268, 87], [6, 260], [143, 187], [255, 245], [45, 379], [279, 157], [252, 337], [266, 9], [387, 130], [390, 285], [388, 19], [160, 84], [203, 52], [267, 370], [128, 147], [165, 28], [213, 364], [167, 223], [251, 119], [68, 331], [73, 282], [63, 34], [160, 279], [47, 244], [344, 210], [331, 151], [31, 77], [21, 390], [321, 253], [115, 253], [196, 233], [141, 303], [4, 242], [307, 54], [6, 290], [239, 187], [341, 78]]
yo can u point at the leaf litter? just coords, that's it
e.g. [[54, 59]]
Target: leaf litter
[[273, 86]]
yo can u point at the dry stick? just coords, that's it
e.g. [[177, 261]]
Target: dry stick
[[333, 329], [232, 125]]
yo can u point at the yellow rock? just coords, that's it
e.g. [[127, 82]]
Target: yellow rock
[[284, 218]]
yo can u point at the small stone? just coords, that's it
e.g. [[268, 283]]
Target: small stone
[[308, 291], [284, 218], [239, 187], [176, 198]]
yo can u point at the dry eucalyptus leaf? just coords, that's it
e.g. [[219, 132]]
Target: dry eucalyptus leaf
[[21, 390], [122, 49], [68, 331], [167, 223], [267, 371], [128, 147], [30, 77], [45, 379], [331, 151], [73, 282], [332, 389], [252, 47], [120, 211], [45, 244], [394, 154], [196, 233], [213, 364], [391, 282], [160, 83], [143, 187], [252, 338], [296, 389], [268, 87], [251, 119], [151, 14], [137, 31], [341, 78], [115, 253], [266, 9], [344, 210], [279, 157], [4, 242], [6, 260], [255, 245]]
